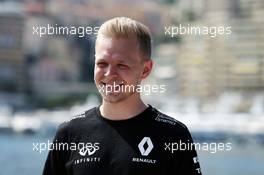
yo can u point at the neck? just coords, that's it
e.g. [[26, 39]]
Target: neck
[[123, 110]]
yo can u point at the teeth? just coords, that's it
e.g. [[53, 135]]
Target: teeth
[[112, 84]]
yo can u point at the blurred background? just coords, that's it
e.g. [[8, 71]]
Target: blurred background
[[213, 85]]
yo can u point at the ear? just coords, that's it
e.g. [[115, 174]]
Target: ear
[[147, 68]]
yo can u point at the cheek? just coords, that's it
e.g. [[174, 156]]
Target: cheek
[[131, 76], [98, 73]]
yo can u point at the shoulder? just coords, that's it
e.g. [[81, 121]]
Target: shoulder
[[170, 123], [167, 120], [80, 118], [76, 122]]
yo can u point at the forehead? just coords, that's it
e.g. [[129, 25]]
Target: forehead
[[116, 47]]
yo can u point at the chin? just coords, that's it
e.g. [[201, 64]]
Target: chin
[[115, 98]]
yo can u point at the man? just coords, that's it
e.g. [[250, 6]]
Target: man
[[122, 136]]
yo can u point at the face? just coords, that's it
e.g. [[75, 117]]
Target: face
[[118, 64]]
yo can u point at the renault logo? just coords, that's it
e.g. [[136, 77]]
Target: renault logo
[[145, 146]]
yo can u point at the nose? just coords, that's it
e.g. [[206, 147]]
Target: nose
[[111, 71]]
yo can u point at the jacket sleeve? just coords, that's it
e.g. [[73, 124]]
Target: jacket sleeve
[[188, 162], [56, 160]]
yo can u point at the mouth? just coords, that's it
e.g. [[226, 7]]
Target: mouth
[[113, 84], [114, 87]]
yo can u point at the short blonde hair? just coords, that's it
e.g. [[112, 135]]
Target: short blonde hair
[[123, 27]]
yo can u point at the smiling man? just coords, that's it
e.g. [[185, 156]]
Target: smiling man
[[122, 136]]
